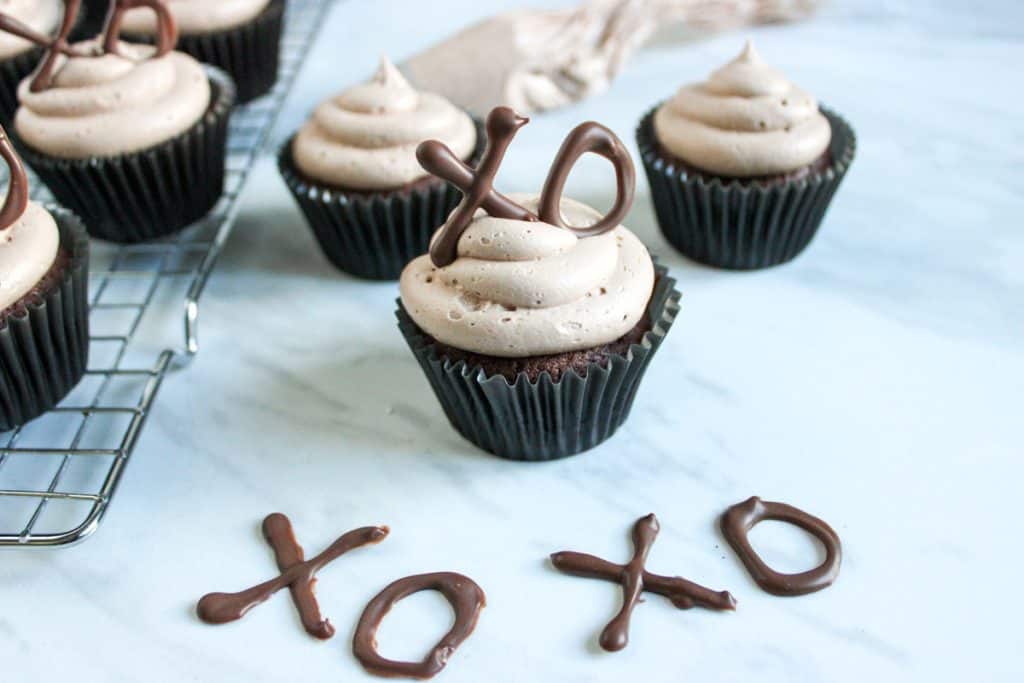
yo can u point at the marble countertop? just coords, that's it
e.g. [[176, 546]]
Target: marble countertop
[[876, 382]]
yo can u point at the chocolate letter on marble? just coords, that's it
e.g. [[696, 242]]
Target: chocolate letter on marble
[[466, 598], [589, 137], [635, 580], [739, 519], [17, 184], [477, 185], [297, 574]]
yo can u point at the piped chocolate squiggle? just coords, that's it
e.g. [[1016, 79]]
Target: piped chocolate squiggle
[[17, 184], [296, 573], [635, 579], [167, 36], [477, 185]]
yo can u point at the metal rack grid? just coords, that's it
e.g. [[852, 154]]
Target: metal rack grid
[[59, 473]]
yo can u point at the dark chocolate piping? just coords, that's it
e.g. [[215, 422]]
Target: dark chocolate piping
[[166, 26], [466, 598], [589, 137], [17, 184], [739, 519], [635, 580], [501, 126], [43, 77], [298, 575]]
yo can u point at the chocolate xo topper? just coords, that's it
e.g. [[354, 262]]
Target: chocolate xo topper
[[17, 184], [167, 35], [477, 184]]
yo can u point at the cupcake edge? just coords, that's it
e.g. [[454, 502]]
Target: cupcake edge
[[373, 234], [737, 225], [180, 179], [543, 419], [44, 340]]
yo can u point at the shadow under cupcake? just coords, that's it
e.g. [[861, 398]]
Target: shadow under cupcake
[[742, 167]]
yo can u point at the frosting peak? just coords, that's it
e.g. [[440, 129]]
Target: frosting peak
[[746, 120], [366, 137], [525, 288]]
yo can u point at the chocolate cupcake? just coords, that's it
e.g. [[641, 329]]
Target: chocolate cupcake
[[534, 319], [742, 167], [241, 37], [44, 308], [353, 171], [130, 137], [19, 57]]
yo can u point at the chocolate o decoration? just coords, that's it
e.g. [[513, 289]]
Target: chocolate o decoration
[[166, 26], [738, 520], [465, 597], [595, 138], [17, 184]]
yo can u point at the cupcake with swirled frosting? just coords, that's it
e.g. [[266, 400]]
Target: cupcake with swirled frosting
[[353, 171], [19, 57], [535, 335], [44, 321], [242, 37], [742, 166], [133, 141]]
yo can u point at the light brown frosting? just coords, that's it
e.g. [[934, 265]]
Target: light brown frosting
[[28, 249], [41, 15], [197, 16], [109, 105], [746, 120], [366, 137], [521, 288]]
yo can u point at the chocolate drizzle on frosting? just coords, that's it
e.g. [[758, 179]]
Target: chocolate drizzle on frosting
[[17, 184], [167, 36], [477, 185], [635, 580], [296, 573], [739, 519], [466, 598]]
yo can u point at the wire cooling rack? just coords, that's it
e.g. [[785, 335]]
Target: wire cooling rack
[[59, 473]]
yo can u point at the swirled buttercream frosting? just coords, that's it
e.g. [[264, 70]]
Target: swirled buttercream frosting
[[197, 16], [114, 104], [528, 288], [366, 137], [28, 249], [745, 120], [41, 15]]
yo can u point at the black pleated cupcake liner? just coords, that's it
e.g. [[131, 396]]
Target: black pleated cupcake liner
[[725, 223], [372, 235], [152, 193], [44, 349], [12, 72], [248, 53], [544, 419]]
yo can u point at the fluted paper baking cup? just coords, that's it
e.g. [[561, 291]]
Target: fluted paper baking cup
[[44, 348], [13, 71], [372, 235], [543, 419], [729, 224], [248, 53], [148, 194]]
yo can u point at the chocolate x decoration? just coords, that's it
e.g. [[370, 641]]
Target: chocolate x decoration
[[635, 580], [167, 36], [296, 573], [477, 185], [17, 184]]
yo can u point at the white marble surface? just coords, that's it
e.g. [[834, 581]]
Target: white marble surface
[[876, 381]]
